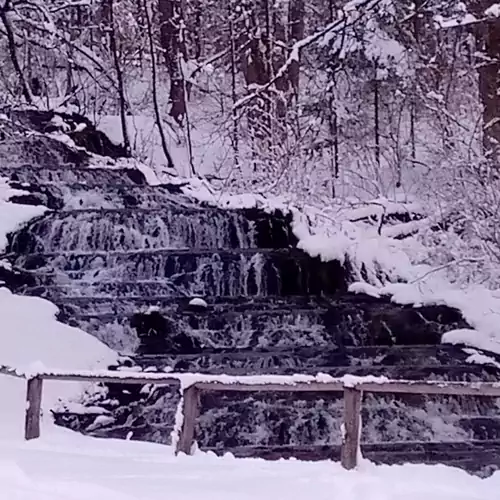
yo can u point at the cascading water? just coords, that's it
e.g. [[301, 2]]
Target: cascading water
[[123, 259]]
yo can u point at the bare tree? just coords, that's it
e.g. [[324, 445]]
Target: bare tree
[[5, 12], [297, 27], [166, 152], [488, 38], [172, 41], [119, 77]]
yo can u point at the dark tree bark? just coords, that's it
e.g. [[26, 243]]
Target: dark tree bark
[[166, 152], [297, 25], [488, 39], [197, 31], [172, 42], [235, 134], [376, 111], [119, 79]]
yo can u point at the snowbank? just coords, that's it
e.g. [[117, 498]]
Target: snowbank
[[31, 337], [12, 216]]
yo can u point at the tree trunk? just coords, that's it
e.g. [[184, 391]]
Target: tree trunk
[[376, 110], [4, 16], [172, 41], [119, 78], [296, 21], [166, 152], [488, 40], [234, 135]]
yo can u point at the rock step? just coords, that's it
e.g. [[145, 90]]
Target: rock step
[[345, 357], [289, 365], [393, 352], [22, 151], [481, 427], [107, 302], [227, 303], [101, 292], [338, 320], [257, 328], [475, 457], [234, 330], [200, 315], [123, 230], [24, 170], [195, 272], [173, 252], [278, 366], [57, 196]]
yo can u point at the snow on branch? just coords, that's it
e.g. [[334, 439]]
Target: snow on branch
[[492, 13], [361, 6], [48, 28]]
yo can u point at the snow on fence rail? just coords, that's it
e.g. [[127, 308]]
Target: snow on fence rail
[[192, 384]]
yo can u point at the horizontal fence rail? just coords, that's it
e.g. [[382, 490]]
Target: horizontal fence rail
[[192, 385]]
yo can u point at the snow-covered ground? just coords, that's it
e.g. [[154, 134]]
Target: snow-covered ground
[[71, 467]]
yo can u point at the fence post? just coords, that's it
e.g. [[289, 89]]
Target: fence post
[[190, 409], [352, 418], [33, 408]]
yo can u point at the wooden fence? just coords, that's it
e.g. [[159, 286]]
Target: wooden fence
[[191, 386]]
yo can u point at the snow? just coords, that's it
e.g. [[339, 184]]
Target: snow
[[454, 21], [366, 288], [479, 306], [470, 337], [480, 359], [210, 150], [198, 302], [493, 10], [13, 216], [188, 379], [72, 467], [30, 340]]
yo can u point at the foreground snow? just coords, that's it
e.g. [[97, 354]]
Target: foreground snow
[[71, 467]]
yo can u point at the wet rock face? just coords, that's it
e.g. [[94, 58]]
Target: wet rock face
[[159, 334], [379, 322], [79, 128], [123, 260]]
